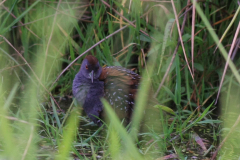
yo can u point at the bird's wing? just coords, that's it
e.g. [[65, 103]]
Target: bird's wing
[[120, 85]]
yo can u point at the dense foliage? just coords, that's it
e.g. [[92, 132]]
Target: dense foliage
[[172, 44]]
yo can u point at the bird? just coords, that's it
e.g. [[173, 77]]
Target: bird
[[116, 84]]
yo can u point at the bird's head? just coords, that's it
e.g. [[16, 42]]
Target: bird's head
[[90, 68]]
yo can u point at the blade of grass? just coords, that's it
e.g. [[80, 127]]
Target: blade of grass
[[6, 18], [215, 38], [131, 23], [21, 16], [10, 97], [141, 101], [68, 136], [130, 149], [173, 57], [229, 26], [229, 56], [180, 36], [35, 75], [193, 30], [165, 39]]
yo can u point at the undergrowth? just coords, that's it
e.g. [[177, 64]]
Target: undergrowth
[[173, 45]]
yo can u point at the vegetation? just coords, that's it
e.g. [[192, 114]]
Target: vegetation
[[174, 45]]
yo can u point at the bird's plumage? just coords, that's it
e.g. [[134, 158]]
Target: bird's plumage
[[116, 84]]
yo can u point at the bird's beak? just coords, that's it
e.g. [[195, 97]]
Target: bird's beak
[[91, 75]]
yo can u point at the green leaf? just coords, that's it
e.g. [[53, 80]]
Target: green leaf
[[198, 66], [210, 121], [144, 38], [165, 108], [186, 37]]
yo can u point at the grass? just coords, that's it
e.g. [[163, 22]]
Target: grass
[[42, 44]]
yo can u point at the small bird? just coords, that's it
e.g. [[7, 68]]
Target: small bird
[[116, 84]]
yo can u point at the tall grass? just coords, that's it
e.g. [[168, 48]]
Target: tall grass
[[39, 39]]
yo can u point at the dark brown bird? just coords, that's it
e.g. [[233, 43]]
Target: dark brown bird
[[116, 84]]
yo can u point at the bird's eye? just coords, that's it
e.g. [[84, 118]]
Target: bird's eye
[[86, 67]]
